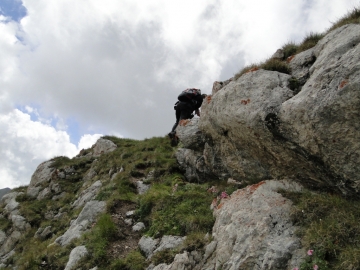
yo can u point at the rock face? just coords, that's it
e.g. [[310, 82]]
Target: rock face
[[87, 216], [253, 229], [262, 127], [103, 146], [75, 256], [43, 173]]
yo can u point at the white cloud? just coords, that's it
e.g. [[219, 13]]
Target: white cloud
[[87, 140], [25, 144]]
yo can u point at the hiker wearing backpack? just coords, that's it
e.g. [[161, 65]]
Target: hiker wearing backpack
[[189, 100]]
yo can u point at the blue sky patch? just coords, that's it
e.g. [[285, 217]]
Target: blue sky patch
[[13, 9]]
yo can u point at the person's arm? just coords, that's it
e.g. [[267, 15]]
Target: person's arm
[[197, 112]]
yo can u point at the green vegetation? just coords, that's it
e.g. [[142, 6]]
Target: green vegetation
[[352, 16], [291, 48], [329, 225]]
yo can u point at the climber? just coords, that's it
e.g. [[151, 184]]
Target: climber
[[189, 100]]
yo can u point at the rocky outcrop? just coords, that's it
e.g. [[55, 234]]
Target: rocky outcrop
[[83, 222], [88, 194], [103, 146], [43, 174], [268, 125], [253, 230], [149, 246], [75, 256]]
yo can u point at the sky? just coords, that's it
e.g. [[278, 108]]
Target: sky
[[73, 71]]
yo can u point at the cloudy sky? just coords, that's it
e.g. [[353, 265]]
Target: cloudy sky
[[72, 71]]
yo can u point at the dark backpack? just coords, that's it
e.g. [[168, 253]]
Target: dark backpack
[[188, 94]]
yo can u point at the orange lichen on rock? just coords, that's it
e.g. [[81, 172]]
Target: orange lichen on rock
[[184, 122], [252, 70], [208, 99], [220, 205], [256, 186], [288, 60], [245, 101], [343, 83]]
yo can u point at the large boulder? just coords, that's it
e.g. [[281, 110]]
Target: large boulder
[[323, 119], [103, 146], [262, 127], [44, 173], [253, 230]]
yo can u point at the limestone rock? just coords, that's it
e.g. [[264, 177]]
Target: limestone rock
[[219, 85], [141, 187], [19, 223], [9, 200], [147, 245], [138, 227], [103, 146], [279, 54], [87, 216], [169, 242], [88, 194], [10, 243], [44, 233], [260, 127], [75, 256], [43, 173], [190, 135], [323, 118], [2, 237], [184, 261], [253, 229]]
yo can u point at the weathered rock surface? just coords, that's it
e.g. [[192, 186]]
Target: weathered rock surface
[[43, 173], [149, 246], [103, 146], [9, 200], [88, 194], [75, 256], [253, 230], [184, 261], [258, 128], [87, 216]]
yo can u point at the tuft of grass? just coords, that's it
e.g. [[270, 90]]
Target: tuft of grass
[[309, 41], [178, 212], [329, 225], [98, 239], [5, 224], [352, 16], [245, 70], [133, 261], [276, 65], [289, 49]]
